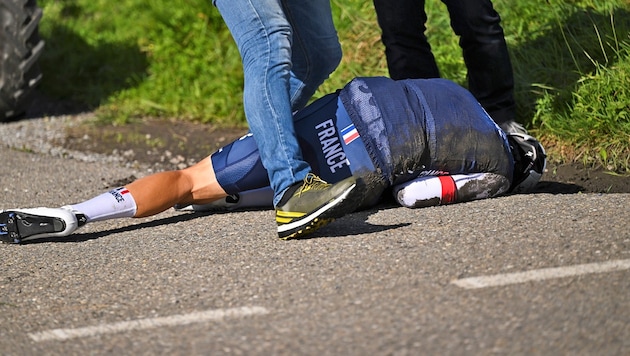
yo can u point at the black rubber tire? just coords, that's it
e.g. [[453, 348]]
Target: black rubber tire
[[20, 49]]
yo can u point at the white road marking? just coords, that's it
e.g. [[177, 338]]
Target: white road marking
[[541, 274], [141, 324]]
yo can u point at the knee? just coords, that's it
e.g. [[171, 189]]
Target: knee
[[334, 55], [326, 60], [266, 48]]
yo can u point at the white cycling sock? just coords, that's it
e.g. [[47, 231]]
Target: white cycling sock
[[426, 191], [117, 203]]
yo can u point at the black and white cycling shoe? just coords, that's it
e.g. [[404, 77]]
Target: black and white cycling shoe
[[26, 224]]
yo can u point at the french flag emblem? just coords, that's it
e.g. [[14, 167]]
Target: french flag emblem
[[349, 134]]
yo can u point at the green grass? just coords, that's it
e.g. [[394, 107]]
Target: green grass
[[132, 59]]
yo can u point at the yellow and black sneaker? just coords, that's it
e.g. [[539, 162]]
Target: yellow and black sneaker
[[313, 203]]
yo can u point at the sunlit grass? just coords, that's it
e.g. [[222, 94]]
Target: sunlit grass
[[175, 59]]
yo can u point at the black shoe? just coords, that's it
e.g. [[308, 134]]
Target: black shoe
[[314, 204]]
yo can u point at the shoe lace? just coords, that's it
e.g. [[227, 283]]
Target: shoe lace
[[312, 182]]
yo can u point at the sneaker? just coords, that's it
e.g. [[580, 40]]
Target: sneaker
[[512, 127], [313, 204], [26, 224]]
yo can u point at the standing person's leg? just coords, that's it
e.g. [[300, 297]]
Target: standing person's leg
[[263, 36], [490, 76], [407, 49], [316, 51]]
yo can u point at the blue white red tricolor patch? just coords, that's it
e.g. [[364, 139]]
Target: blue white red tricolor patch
[[349, 134]]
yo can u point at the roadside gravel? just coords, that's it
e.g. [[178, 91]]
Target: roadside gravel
[[47, 135]]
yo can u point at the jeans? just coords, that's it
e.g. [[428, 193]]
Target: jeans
[[288, 48], [490, 76]]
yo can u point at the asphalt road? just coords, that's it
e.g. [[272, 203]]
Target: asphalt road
[[388, 281]]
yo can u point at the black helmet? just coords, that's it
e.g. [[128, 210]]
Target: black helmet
[[530, 160]]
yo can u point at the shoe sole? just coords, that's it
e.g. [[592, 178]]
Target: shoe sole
[[345, 203], [16, 226]]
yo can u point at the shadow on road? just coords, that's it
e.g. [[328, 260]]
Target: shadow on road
[[82, 237], [354, 224], [557, 188]]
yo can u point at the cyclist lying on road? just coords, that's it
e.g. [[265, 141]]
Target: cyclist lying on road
[[428, 140]]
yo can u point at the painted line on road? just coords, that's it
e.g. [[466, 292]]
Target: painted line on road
[[541, 274], [141, 324]]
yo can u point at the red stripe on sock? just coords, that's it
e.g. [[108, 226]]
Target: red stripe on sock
[[449, 189]]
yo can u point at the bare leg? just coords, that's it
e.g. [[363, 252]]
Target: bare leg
[[144, 197], [196, 184]]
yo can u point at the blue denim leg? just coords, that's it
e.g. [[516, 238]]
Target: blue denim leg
[[264, 31], [316, 51]]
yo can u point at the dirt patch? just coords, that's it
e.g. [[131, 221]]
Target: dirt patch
[[574, 178], [176, 144], [164, 144]]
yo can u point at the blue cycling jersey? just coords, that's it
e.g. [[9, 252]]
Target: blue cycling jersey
[[425, 127], [384, 131]]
